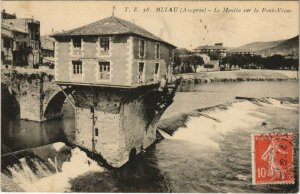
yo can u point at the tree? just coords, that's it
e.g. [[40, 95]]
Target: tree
[[214, 56], [274, 62], [195, 61], [178, 57], [257, 60]]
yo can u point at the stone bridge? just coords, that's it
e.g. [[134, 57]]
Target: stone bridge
[[116, 123], [31, 94]]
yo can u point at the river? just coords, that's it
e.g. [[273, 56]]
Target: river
[[209, 158]]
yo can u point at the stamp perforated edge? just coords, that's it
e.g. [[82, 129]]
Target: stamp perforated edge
[[253, 161]]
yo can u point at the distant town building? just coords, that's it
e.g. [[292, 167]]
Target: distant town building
[[111, 51], [205, 58], [5, 15], [292, 55], [243, 52], [228, 67], [7, 42], [212, 65], [215, 52], [26, 39], [47, 49]]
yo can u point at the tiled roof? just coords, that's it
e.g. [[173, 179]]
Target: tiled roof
[[109, 26], [13, 28], [47, 42]]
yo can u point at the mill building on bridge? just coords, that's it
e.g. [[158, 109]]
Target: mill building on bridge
[[118, 75], [111, 52]]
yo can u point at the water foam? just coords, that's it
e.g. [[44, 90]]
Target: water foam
[[280, 104], [79, 164], [204, 131], [164, 134], [57, 146]]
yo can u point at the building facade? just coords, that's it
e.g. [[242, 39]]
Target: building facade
[[215, 52], [114, 52], [212, 65], [26, 32], [47, 50], [5, 15], [243, 52], [7, 41]]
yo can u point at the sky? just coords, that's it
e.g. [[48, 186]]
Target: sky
[[184, 30]]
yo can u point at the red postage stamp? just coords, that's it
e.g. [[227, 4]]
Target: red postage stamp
[[272, 159]]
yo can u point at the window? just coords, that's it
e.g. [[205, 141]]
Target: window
[[6, 43], [37, 35], [23, 45], [96, 132], [17, 45], [104, 69], [77, 67], [77, 43], [156, 68], [104, 44], [157, 51], [141, 67], [171, 53], [141, 76], [142, 48]]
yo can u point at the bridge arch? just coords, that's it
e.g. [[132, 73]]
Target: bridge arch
[[10, 104], [53, 105]]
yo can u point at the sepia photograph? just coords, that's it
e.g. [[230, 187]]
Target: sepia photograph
[[150, 96]]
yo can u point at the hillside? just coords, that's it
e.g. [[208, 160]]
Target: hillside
[[255, 46], [267, 48], [285, 47]]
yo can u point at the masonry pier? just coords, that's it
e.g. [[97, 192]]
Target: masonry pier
[[114, 122]]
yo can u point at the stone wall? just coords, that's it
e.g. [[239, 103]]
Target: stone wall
[[33, 91], [124, 120]]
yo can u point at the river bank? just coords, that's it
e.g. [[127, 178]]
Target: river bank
[[238, 75]]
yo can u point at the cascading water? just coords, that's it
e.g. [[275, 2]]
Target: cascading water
[[33, 175], [28, 171]]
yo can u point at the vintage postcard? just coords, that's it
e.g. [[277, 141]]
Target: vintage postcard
[[150, 96]]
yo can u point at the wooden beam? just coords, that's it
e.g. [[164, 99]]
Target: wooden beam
[[67, 97]]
